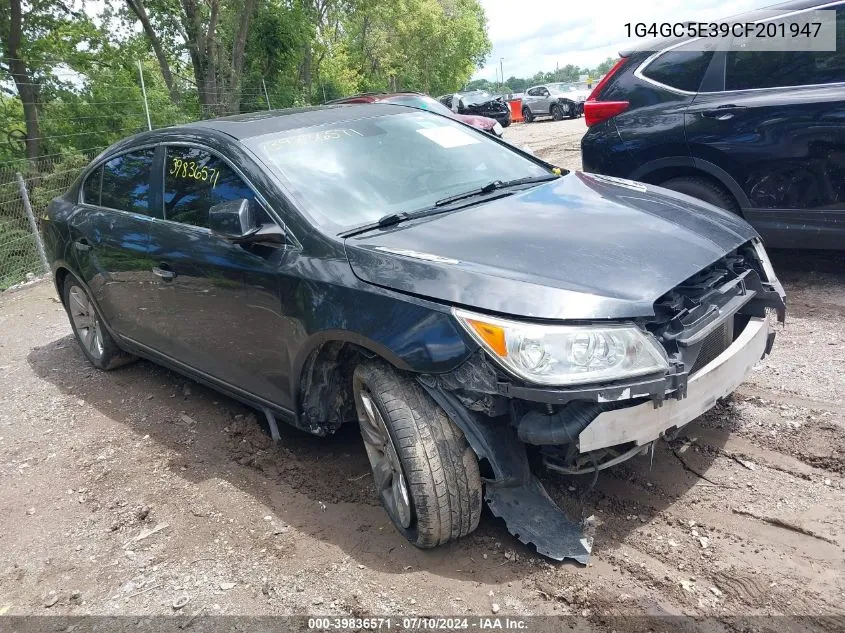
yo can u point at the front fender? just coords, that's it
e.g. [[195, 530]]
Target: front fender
[[411, 334]]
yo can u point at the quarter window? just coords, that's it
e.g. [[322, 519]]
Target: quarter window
[[683, 70], [125, 183], [92, 186], [195, 180], [746, 70]]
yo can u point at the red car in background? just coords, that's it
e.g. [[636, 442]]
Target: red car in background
[[424, 102]]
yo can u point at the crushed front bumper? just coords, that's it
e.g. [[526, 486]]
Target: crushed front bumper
[[649, 421]]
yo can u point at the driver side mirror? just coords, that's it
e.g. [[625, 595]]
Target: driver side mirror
[[232, 219]]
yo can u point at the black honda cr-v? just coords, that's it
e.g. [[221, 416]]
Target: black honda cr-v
[[759, 133]]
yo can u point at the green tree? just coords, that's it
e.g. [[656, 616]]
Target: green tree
[[605, 66], [35, 38]]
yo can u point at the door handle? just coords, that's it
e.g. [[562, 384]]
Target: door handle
[[164, 274], [82, 245], [723, 113]]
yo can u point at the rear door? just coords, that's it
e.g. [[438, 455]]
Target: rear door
[[529, 99], [110, 238], [776, 123], [218, 304]]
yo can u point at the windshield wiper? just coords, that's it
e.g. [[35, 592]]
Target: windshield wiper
[[493, 186], [446, 204]]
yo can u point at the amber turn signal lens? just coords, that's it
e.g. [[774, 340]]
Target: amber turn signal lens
[[493, 335]]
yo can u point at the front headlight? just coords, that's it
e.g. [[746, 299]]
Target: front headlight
[[566, 354]]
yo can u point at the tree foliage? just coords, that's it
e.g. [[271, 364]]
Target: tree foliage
[[71, 79]]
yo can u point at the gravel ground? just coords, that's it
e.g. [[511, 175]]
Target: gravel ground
[[126, 491]]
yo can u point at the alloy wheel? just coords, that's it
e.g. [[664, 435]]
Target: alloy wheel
[[85, 321], [384, 460]]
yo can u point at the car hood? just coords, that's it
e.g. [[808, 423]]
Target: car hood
[[475, 120], [580, 247]]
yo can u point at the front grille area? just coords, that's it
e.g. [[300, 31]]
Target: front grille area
[[714, 344], [695, 320]]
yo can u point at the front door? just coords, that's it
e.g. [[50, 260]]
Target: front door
[[778, 129], [110, 239], [544, 101], [218, 303]]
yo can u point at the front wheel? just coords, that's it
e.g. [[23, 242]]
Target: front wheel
[[559, 111], [425, 473], [527, 116], [703, 189], [93, 338]]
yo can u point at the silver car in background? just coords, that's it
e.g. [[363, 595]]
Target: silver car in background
[[557, 100]]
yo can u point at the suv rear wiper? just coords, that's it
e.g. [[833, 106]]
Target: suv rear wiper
[[445, 204]]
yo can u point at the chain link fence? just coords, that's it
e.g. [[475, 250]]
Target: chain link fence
[[28, 185], [26, 190]]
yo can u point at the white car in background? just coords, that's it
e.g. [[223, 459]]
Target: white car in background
[[557, 100]]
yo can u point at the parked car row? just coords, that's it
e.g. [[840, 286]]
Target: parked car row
[[761, 134]]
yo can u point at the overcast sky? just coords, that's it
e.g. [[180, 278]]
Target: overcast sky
[[533, 35]]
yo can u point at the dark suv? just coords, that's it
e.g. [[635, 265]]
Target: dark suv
[[759, 133]]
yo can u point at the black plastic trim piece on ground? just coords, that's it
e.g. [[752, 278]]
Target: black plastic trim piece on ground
[[514, 494]]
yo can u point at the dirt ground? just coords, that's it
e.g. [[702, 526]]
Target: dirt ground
[[126, 491]]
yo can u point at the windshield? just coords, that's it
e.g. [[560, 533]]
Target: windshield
[[421, 102], [473, 98], [558, 88], [351, 173]]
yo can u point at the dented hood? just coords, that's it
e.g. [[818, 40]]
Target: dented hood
[[580, 247]]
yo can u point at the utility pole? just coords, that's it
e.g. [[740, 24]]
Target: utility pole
[[144, 93], [502, 70], [266, 96]]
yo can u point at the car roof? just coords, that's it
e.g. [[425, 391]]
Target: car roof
[[370, 97], [651, 46], [242, 126]]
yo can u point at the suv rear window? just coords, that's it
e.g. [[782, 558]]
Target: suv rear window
[[682, 70]]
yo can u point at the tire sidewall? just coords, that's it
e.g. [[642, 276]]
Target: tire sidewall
[[702, 191], [411, 532], [112, 355]]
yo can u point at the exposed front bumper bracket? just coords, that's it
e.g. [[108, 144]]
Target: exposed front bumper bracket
[[643, 423]]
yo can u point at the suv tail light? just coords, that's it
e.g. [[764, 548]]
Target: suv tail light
[[596, 111]]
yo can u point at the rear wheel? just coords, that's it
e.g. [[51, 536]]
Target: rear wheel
[[527, 116], [426, 474], [703, 189], [93, 338]]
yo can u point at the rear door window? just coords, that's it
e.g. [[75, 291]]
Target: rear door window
[[195, 180], [678, 69], [125, 183], [746, 70]]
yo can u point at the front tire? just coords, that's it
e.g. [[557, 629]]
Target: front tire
[[558, 112], [94, 339], [527, 116], [426, 474], [703, 189]]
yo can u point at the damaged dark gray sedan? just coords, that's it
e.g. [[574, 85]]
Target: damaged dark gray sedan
[[464, 302]]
